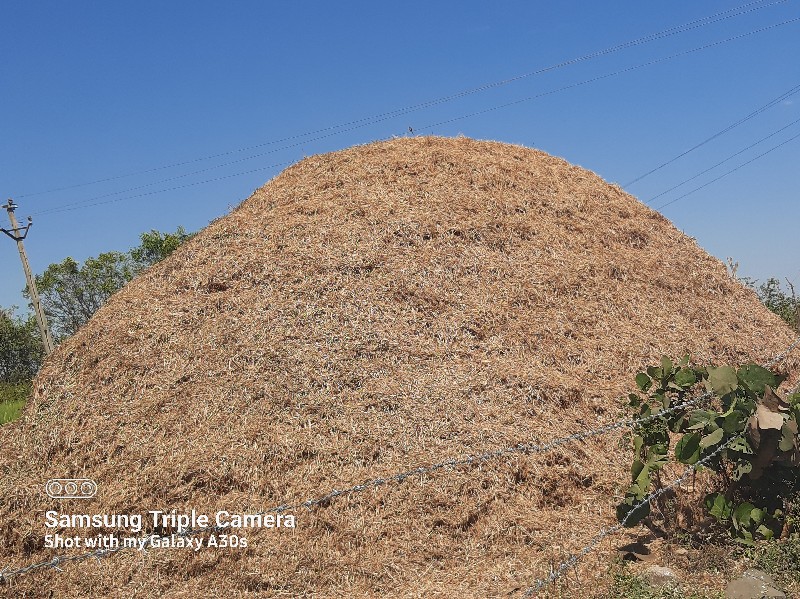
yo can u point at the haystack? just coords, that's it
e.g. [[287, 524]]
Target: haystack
[[365, 312]]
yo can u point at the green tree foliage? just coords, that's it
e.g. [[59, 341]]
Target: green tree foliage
[[772, 295], [746, 431], [71, 292], [20, 348], [155, 246], [785, 305]]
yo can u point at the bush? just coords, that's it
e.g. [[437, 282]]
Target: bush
[[629, 586], [10, 410], [781, 559], [742, 430], [20, 348], [786, 305], [14, 392]]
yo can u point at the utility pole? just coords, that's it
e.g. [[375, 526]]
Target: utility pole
[[17, 233]]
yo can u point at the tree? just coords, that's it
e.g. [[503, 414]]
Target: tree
[[785, 305], [71, 292], [20, 347], [156, 246]]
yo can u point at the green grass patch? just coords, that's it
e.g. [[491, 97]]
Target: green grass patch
[[630, 586], [12, 399], [781, 559], [11, 410]]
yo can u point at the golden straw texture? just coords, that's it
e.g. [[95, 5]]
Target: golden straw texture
[[365, 312]]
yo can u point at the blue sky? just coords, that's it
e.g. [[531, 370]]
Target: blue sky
[[94, 91]]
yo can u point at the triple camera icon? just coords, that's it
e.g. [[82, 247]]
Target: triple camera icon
[[71, 488]]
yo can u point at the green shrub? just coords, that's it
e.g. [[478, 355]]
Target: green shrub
[[20, 347], [746, 432], [10, 392], [772, 295]]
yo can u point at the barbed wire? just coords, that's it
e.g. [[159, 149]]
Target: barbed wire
[[782, 356], [522, 448], [598, 538]]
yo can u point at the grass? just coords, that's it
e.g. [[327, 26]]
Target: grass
[[780, 559], [630, 586], [12, 399], [11, 410]]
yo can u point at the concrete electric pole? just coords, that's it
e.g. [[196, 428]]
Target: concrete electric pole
[[18, 234]]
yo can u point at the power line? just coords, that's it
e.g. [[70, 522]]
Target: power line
[[770, 104], [620, 72], [202, 170], [78, 205], [90, 201], [365, 121], [733, 170], [731, 157], [18, 234]]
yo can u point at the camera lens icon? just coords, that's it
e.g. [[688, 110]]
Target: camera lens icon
[[71, 488], [55, 488]]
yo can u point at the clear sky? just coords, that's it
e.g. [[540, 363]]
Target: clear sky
[[118, 90]]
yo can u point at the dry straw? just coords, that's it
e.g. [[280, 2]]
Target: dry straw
[[366, 311]]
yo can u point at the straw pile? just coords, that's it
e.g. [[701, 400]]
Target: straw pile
[[365, 312]]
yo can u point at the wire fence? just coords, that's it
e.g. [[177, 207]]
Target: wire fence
[[467, 460], [570, 562], [782, 356]]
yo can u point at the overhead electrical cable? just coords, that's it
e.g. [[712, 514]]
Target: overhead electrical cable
[[615, 73], [365, 121], [733, 170], [770, 104], [92, 201], [209, 168], [721, 162], [78, 206]]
